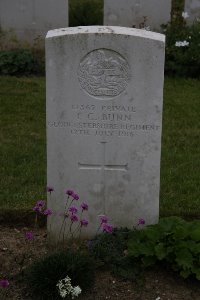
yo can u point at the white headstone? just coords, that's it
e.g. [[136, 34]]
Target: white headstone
[[137, 13], [104, 119], [192, 7], [32, 19]]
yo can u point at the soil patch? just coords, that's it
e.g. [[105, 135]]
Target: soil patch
[[16, 254]]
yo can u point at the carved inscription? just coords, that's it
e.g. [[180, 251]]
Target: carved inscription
[[104, 120], [103, 73]]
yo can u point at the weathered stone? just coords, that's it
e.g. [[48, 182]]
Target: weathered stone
[[149, 14], [192, 7], [31, 19], [104, 120]]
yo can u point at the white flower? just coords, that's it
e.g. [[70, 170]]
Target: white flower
[[76, 291], [63, 293], [65, 288], [158, 298], [182, 44], [185, 15]]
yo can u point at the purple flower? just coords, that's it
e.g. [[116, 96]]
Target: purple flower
[[50, 189], [47, 212], [37, 209], [103, 219], [73, 218], [84, 222], [39, 206], [84, 206], [73, 209], [69, 192], [75, 196], [141, 222], [4, 283], [107, 228], [41, 203], [29, 236]]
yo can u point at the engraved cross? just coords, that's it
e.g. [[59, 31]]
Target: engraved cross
[[103, 166]]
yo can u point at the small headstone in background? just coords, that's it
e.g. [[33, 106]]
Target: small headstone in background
[[192, 8], [104, 120], [150, 14], [32, 19]]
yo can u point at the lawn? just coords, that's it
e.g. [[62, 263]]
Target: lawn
[[23, 147]]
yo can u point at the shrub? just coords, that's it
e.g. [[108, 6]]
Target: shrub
[[183, 60], [110, 250], [44, 274], [18, 62], [173, 241]]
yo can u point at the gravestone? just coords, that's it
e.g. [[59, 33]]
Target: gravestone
[[104, 120], [137, 13], [192, 7], [32, 19]]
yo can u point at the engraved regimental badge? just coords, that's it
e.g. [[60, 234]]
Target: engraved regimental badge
[[104, 73]]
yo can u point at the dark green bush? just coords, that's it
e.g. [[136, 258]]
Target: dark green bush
[[173, 241], [44, 274], [183, 61], [110, 250], [109, 247], [17, 62], [85, 12]]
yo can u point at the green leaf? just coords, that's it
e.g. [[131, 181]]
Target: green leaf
[[195, 234], [153, 233], [136, 249], [181, 232], [196, 271], [160, 251], [184, 258], [168, 224]]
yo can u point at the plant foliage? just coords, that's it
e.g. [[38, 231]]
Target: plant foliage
[[17, 62], [183, 60], [173, 241], [110, 250]]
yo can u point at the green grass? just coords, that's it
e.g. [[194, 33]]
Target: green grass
[[22, 138], [23, 150], [180, 167]]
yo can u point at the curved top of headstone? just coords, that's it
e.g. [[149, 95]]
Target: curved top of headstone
[[106, 30]]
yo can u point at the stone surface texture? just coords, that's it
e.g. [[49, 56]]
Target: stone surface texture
[[192, 7], [104, 121], [31, 19], [137, 13]]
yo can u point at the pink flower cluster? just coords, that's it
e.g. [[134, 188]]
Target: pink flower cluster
[[29, 236], [4, 283], [106, 227], [50, 189], [73, 214], [72, 211], [40, 207], [141, 222], [72, 194]]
